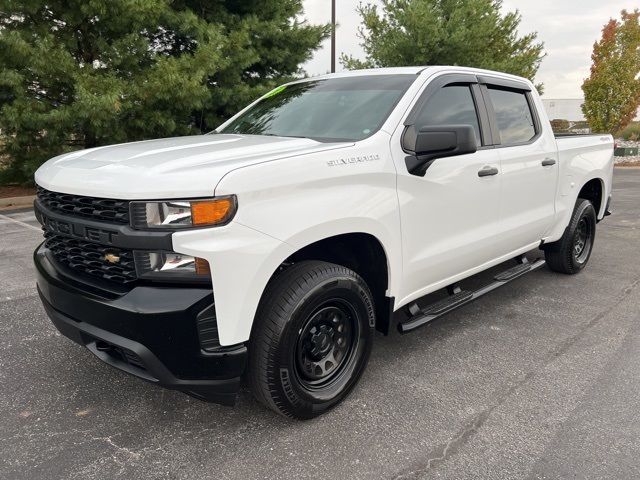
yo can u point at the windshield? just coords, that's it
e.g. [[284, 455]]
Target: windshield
[[336, 109]]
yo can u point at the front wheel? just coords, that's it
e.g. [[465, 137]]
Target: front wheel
[[571, 253], [312, 338]]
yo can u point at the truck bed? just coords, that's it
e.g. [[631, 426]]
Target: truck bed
[[569, 135]]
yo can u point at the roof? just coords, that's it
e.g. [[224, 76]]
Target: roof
[[416, 70], [375, 71]]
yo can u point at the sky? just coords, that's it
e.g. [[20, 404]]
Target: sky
[[568, 29]]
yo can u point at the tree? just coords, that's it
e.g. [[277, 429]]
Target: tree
[[266, 44], [472, 33], [84, 73], [612, 91], [559, 125]]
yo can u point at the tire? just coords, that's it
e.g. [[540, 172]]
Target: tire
[[311, 340], [571, 253]]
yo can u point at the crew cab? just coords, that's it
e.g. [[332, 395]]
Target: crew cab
[[271, 249]]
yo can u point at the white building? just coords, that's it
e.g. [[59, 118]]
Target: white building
[[567, 109]]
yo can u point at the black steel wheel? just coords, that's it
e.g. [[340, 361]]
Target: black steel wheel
[[571, 253], [582, 241], [311, 339], [327, 342]]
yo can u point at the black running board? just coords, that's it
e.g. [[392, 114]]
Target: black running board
[[458, 298]]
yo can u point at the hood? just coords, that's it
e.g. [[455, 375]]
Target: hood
[[180, 167]]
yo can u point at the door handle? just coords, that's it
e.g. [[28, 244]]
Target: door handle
[[547, 162], [487, 171]]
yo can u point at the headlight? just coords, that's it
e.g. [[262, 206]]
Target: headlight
[[170, 266], [180, 214]]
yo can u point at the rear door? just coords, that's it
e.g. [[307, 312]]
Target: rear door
[[529, 161], [450, 215]]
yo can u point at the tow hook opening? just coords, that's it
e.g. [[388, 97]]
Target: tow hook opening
[[120, 354], [103, 346]]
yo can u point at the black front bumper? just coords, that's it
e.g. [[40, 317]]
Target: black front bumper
[[148, 331]]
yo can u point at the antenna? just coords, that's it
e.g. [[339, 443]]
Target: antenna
[[333, 36]]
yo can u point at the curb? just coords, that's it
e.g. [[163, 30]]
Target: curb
[[11, 203]]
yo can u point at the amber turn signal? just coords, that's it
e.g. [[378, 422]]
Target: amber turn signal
[[202, 266], [212, 212]]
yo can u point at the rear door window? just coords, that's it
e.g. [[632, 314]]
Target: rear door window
[[513, 116]]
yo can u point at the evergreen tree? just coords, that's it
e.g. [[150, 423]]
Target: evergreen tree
[[612, 91], [471, 33], [84, 73]]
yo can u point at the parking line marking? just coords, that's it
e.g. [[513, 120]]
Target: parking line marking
[[4, 217]]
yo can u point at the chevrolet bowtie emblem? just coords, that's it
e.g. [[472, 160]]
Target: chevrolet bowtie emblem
[[112, 257]]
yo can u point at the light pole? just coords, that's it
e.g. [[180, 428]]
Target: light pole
[[333, 36]]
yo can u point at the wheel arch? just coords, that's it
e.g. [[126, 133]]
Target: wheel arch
[[361, 252], [593, 187], [593, 190]]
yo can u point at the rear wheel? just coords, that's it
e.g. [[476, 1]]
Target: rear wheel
[[571, 253], [312, 338]]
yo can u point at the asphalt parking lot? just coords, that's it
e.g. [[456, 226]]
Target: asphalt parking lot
[[539, 379]]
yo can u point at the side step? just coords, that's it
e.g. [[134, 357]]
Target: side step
[[513, 273], [458, 298]]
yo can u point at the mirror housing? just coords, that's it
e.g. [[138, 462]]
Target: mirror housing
[[432, 142]]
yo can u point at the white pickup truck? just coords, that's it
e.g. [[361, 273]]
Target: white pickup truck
[[272, 248]]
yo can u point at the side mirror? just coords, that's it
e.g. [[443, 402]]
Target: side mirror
[[433, 142]]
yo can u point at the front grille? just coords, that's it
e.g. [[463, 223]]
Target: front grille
[[89, 258], [101, 209]]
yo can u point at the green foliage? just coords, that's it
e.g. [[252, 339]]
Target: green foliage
[[612, 91], [84, 73], [560, 125], [472, 33], [631, 132]]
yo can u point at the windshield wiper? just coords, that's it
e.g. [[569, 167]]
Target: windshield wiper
[[285, 136]]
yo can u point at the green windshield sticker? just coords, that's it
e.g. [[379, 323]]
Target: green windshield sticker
[[275, 91]]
